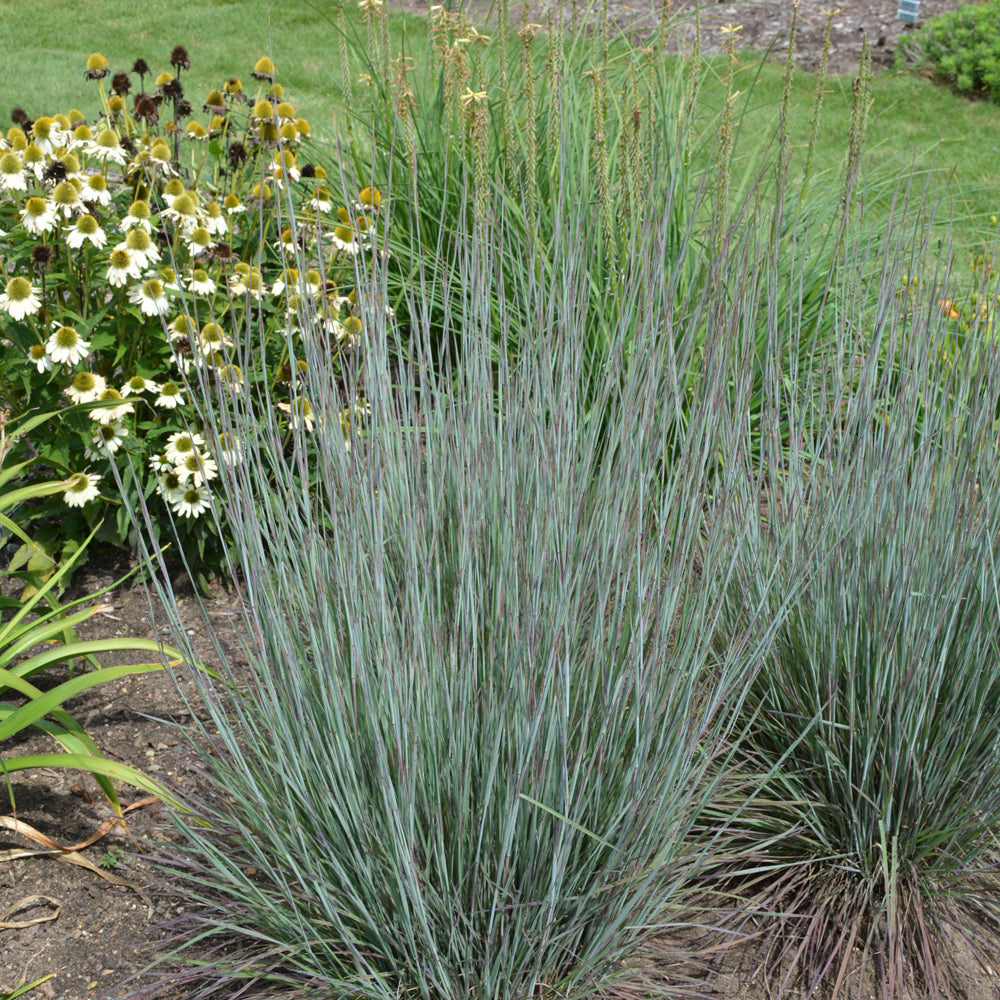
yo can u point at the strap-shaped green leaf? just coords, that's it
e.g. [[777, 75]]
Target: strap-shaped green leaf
[[43, 704], [96, 766]]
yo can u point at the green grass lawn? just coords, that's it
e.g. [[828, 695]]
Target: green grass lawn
[[915, 125]]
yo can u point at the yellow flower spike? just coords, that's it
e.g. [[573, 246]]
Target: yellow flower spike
[[276, 92], [288, 132], [17, 139], [82, 133], [76, 116], [116, 104], [286, 110], [234, 85], [343, 215], [303, 127], [196, 130], [370, 197], [218, 122], [263, 110], [473, 96], [215, 99], [319, 173], [62, 121], [268, 132]]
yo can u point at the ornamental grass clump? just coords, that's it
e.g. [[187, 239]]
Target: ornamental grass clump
[[484, 709], [873, 725]]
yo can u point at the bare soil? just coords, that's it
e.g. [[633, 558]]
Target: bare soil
[[97, 935]]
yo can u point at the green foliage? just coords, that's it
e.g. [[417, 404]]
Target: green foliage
[[37, 633], [26, 988], [111, 858], [962, 47]]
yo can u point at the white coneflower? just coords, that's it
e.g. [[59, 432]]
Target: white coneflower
[[148, 296], [320, 201], [183, 210], [212, 339], [157, 158], [171, 282], [48, 135], [174, 188], [289, 279], [107, 148], [86, 230], [138, 217], [170, 396], [35, 161], [231, 376], [96, 190], [83, 489], [38, 216], [38, 356], [181, 445], [213, 219], [197, 468], [66, 346], [13, 176], [20, 298], [230, 451], [199, 240], [109, 414], [122, 267], [138, 383], [232, 204], [141, 246], [300, 413], [170, 487], [313, 283], [349, 333], [182, 328], [193, 502], [108, 437], [247, 283], [85, 387], [66, 199], [200, 283], [344, 239]]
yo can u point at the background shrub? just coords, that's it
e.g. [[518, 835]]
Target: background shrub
[[962, 47]]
